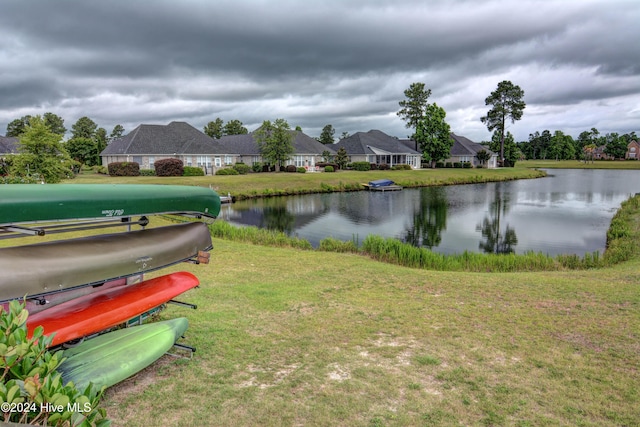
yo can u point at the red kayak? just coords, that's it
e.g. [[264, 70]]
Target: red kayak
[[110, 307]]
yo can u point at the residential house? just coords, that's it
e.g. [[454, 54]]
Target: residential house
[[599, 154], [465, 150], [8, 145], [147, 144], [378, 148], [633, 151]]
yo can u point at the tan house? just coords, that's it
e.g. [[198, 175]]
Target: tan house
[[633, 151], [147, 144]]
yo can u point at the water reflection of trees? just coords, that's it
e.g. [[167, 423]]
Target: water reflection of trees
[[277, 217], [429, 218], [495, 241]]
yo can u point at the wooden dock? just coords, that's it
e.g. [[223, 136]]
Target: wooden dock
[[383, 188]]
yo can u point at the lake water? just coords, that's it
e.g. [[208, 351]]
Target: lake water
[[567, 212]]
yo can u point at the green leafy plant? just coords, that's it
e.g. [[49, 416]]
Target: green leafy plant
[[31, 388], [192, 171]]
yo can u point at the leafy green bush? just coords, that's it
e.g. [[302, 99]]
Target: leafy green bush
[[12, 179], [192, 171], [30, 383], [257, 167], [124, 169], [242, 168], [448, 165], [467, 165], [329, 169], [301, 170], [384, 167], [169, 167], [457, 165], [227, 171], [439, 164], [402, 167], [361, 166], [147, 172]]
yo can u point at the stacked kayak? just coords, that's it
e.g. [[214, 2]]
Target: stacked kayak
[[112, 357], [85, 292]]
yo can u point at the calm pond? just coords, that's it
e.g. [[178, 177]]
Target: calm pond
[[567, 212]]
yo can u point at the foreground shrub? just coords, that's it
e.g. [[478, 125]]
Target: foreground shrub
[[124, 169], [361, 166], [192, 171], [12, 179], [256, 167], [402, 167], [147, 172], [291, 168], [301, 170], [31, 384], [242, 168], [227, 171], [169, 167], [329, 169]]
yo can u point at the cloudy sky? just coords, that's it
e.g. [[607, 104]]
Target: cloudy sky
[[340, 62]]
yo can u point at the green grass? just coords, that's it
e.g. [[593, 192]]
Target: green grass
[[282, 183], [577, 164], [286, 336], [295, 337]]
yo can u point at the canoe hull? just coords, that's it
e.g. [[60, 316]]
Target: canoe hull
[[112, 357], [105, 309], [27, 203], [45, 268]]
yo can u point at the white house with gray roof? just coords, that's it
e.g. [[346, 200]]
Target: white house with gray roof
[[465, 150], [379, 148], [147, 144]]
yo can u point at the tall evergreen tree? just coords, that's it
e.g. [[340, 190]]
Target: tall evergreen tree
[[116, 133], [234, 127], [55, 123], [507, 105], [326, 136], [275, 142], [414, 107], [84, 128], [214, 128]]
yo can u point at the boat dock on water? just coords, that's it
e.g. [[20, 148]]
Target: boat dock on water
[[382, 185]]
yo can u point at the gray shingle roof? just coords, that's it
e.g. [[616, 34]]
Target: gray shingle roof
[[8, 145], [176, 137], [182, 138], [363, 142], [465, 147]]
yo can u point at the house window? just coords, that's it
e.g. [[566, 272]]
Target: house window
[[152, 160], [228, 160], [298, 161], [218, 162], [188, 161], [138, 160], [204, 161]]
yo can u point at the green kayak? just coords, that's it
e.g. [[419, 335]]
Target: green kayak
[[112, 357], [28, 203]]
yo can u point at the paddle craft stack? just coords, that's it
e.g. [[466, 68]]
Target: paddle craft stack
[[81, 289]]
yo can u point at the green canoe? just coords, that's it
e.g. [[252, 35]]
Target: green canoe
[[29, 203], [112, 357]]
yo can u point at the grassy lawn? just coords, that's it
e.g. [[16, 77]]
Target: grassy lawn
[[576, 164], [269, 184], [291, 337]]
